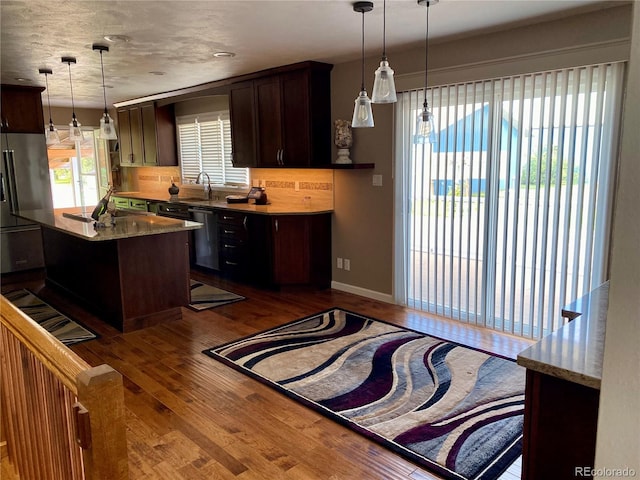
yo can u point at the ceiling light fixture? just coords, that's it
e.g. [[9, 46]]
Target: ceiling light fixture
[[51, 131], [224, 54], [75, 133], [384, 88], [424, 124], [116, 38], [107, 129], [362, 114]]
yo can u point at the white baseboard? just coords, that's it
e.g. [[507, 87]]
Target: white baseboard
[[363, 292]]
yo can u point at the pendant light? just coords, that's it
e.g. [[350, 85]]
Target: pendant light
[[75, 133], [384, 87], [51, 131], [362, 114], [107, 128], [424, 124]]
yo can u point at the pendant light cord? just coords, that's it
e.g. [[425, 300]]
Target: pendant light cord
[[362, 85], [73, 107], [384, 30], [426, 58], [104, 88], [46, 81]]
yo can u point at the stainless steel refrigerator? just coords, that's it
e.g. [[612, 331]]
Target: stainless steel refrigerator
[[24, 185]]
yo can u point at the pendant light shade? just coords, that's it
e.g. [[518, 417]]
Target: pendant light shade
[[75, 133], [362, 114], [384, 87], [425, 123], [51, 131], [107, 128]]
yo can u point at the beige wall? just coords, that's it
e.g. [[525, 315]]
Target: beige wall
[[618, 443], [61, 116], [363, 221]]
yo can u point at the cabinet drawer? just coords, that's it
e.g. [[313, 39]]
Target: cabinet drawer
[[138, 204], [120, 202], [233, 268], [233, 233], [232, 245], [233, 218]]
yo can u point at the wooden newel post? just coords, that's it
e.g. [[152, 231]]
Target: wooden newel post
[[100, 424]]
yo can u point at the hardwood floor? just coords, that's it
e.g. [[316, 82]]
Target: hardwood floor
[[191, 417]]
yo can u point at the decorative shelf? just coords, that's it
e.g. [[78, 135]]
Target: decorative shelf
[[351, 166]]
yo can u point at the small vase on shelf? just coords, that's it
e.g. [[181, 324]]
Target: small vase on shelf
[[343, 140]]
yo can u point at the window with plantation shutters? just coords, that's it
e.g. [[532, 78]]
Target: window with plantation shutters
[[204, 145]]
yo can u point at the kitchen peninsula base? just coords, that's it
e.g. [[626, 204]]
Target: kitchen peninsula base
[[125, 281]]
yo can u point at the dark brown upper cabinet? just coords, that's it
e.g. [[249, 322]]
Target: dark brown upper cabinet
[[283, 118], [21, 109], [243, 133]]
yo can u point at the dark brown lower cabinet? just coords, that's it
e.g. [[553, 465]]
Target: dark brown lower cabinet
[[560, 422], [276, 250], [233, 244], [300, 250]]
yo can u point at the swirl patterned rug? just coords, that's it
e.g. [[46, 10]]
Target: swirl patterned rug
[[454, 410]]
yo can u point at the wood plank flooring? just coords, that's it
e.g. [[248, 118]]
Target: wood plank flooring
[[191, 417]]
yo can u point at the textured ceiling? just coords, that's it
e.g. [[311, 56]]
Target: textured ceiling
[[179, 37]]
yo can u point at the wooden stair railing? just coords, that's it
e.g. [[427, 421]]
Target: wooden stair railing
[[61, 418]]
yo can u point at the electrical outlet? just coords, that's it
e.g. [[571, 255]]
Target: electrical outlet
[[339, 262], [347, 264], [377, 180]]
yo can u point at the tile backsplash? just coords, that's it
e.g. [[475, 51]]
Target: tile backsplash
[[287, 185], [296, 185]]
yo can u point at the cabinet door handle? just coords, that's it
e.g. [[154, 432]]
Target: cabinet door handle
[[282, 157], [225, 217], [276, 225], [235, 264], [228, 231], [226, 245], [244, 222]]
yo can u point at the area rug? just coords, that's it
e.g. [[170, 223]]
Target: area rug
[[454, 410], [60, 326], [205, 296]]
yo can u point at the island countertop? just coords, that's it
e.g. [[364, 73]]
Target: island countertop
[[125, 226], [574, 352]]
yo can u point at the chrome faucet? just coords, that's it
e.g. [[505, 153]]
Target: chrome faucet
[[209, 191]]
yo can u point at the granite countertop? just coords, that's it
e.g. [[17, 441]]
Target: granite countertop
[[269, 209], [125, 226], [574, 352]]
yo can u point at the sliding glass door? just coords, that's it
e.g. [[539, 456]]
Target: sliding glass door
[[505, 215]]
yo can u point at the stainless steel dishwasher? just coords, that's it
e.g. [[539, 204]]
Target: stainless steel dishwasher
[[205, 239]]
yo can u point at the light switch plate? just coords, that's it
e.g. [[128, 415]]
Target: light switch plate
[[377, 180]]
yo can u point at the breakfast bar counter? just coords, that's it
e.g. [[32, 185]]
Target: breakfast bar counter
[[563, 392], [132, 275]]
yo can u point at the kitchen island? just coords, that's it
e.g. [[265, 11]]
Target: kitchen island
[[132, 275]]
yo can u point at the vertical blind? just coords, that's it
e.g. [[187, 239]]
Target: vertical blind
[[204, 145], [504, 217]]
